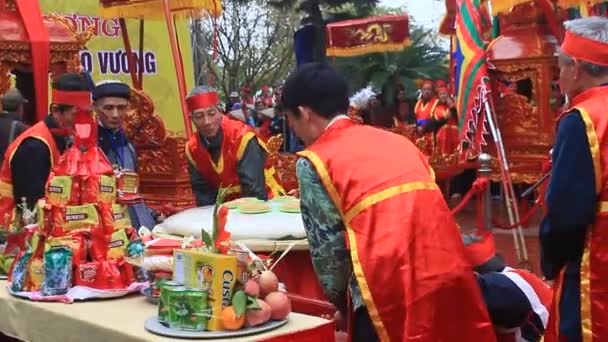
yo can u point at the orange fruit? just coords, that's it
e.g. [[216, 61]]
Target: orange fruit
[[230, 321]]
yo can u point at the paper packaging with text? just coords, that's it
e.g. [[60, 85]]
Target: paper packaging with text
[[216, 273]]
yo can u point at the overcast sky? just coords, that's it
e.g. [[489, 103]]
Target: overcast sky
[[425, 12]]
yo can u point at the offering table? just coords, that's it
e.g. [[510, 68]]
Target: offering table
[[121, 320]]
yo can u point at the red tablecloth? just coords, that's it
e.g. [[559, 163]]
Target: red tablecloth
[[297, 273], [322, 333]]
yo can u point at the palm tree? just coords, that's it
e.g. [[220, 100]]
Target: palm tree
[[425, 58]]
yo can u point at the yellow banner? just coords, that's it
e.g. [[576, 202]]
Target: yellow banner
[[105, 57]]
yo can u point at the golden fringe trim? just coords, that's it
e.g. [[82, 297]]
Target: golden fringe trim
[[577, 3], [505, 6], [153, 9], [366, 49]]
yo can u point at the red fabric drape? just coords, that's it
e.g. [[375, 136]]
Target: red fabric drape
[[32, 19], [322, 333]]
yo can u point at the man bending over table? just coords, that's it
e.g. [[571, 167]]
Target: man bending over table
[[225, 153]]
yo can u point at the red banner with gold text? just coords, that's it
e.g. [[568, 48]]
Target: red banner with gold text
[[362, 36]]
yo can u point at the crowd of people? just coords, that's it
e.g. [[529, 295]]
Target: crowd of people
[[387, 251]]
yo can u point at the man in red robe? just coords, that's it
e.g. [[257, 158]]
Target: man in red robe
[[225, 153], [426, 104], [446, 119], [574, 232], [410, 279], [30, 158]]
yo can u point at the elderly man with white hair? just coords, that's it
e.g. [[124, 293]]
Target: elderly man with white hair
[[225, 153], [574, 232], [110, 102]]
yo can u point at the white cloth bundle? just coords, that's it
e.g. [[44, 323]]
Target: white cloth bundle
[[274, 225]]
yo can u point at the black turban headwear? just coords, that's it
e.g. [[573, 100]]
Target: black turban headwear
[[111, 89]]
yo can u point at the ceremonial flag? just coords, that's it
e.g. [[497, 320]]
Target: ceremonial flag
[[470, 77]]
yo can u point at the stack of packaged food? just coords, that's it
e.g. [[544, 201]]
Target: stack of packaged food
[[83, 235]]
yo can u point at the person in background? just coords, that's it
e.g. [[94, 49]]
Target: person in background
[[574, 231], [246, 104], [11, 125], [444, 123], [225, 153], [426, 104], [402, 115], [110, 102], [518, 301], [33, 154], [234, 102], [266, 97], [352, 188]]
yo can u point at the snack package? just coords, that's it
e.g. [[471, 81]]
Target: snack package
[[98, 244], [103, 275], [127, 273], [75, 242], [36, 274], [74, 219], [215, 273], [110, 270], [88, 274], [19, 272], [99, 189], [117, 247], [120, 214], [57, 271], [63, 190]]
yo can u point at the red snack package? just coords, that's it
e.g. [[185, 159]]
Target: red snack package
[[98, 189], [98, 244], [111, 272], [107, 217], [89, 274], [63, 190], [74, 219], [127, 272]]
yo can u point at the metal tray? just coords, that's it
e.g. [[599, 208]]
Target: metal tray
[[154, 326]]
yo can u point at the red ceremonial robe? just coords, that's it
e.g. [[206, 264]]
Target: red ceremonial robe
[[424, 111], [408, 260], [39, 131], [447, 136], [224, 173], [591, 104]]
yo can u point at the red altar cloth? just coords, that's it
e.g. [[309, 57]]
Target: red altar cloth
[[322, 333], [297, 273]]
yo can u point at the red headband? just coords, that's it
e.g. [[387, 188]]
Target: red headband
[[205, 100], [585, 49], [427, 82], [80, 99], [442, 89]]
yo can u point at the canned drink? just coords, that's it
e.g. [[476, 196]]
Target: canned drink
[[194, 310], [163, 299]]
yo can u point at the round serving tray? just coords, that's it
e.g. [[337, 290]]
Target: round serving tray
[[154, 326], [147, 292]]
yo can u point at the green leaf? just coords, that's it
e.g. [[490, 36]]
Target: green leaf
[[206, 238], [252, 303], [239, 303]]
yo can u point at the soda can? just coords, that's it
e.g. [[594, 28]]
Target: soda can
[[195, 313], [163, 300]]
